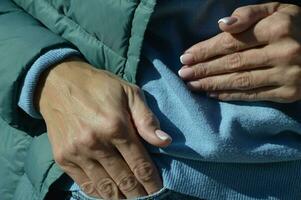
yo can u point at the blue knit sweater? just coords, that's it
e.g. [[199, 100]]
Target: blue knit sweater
[[220, 150]]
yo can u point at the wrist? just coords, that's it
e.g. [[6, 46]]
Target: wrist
[[54, 82]]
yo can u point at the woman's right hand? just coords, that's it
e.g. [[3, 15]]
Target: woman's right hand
[[93, 118]]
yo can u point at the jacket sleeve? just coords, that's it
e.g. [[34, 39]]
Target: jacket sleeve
[[22, 41]]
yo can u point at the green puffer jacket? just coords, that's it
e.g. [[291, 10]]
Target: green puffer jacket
[[27, 167]]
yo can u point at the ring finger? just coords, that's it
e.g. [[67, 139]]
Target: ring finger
[[100, 180], [246, 80], [120, 172]]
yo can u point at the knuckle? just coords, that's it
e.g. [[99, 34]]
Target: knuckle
[[109, 158], [266, 58], [107, 188], [242, 82], [60, 158], [114, 128], [144, 171], [116, 131], [72, 147], [252, 95], [234, 61], [283, 28], [296, 76], [202, 84], [293, 52], [88, 188], [136, 90], [104, 153], [238, 96], [148, 119], [246, 11], [91, 166], [228, 43], [225, 96], [127, 183], [200, 52], [88, 139], [292, 95], [200, 70], [208, 84]]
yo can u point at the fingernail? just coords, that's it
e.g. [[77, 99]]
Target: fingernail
[[185, 72], [186, 59], [228, 20], [213, 95], [162, 135], [193, 84]]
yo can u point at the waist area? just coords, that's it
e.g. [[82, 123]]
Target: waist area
[[209, 180]]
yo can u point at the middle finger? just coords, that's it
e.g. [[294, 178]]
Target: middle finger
[[237, 81], [100, 180], [140, 162], [245, 60], [227, 43]]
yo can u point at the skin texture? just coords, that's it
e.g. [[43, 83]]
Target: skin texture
[[257, 57], [95, 122]]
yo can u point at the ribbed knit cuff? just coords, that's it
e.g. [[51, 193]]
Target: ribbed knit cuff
[[47, 60]]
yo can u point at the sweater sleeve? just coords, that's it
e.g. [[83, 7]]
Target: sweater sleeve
[[22, 40], [47, 60]]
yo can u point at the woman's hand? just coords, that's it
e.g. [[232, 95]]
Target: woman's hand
[[256, 58], [93, 118]]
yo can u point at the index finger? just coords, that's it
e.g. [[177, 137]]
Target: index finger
[[225, 43], [82, 180], [140, 162]]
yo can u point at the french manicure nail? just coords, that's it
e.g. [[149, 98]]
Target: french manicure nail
[[186, 59], [162, 135], [213, 95], [228, 20], [185, 72], [193, 84]]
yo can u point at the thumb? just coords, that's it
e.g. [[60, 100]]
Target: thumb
[[146, 122], [245, 17]]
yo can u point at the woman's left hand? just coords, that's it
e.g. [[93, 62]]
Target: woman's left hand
[[257, 57]]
